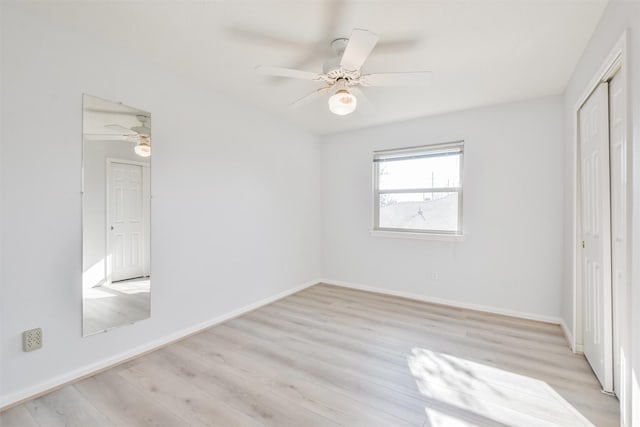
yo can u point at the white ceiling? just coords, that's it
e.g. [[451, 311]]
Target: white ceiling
[[481, 52]]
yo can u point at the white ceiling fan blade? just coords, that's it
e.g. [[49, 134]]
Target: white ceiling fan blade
[[118, 128], [287, 72], [416, 78], [364, 104], [360, 45], [111, 137], [397, 46], [244, 34], [117, 109], [308, 98]]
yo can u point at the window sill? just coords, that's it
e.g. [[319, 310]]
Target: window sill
[[418, 236]]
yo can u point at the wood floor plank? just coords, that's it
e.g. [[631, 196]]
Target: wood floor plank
[[17, 417], [539, 332], [249, 398], [510, 352], [369, 373], [359, 387], [331, 356], [192, 404], [290, 384], [444, 314], [66, 407], [382, 375], [123, 403], [474, 348], [467, 319]]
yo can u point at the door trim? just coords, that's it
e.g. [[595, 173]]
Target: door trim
[[615, 62], [107, 216]]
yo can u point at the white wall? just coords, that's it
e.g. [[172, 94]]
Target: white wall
[[236, 212], [511, 258], [618, 17]]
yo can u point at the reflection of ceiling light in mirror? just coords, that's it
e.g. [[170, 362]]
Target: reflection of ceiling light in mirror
[[143, 149], [342, 103]]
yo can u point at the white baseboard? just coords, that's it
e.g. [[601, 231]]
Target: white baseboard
[[568, 336], [42, 388], [442, 301]]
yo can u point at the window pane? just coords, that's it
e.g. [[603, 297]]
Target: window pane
[[429, 172], [419, 211]]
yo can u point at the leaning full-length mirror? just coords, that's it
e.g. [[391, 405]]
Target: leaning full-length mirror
[[116, 215]]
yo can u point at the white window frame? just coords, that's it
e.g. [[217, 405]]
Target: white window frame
[[431, 149]]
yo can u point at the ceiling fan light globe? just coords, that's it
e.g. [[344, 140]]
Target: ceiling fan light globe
[[342, 103], [143, 149]]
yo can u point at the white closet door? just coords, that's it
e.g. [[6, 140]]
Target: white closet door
[[596, 234]]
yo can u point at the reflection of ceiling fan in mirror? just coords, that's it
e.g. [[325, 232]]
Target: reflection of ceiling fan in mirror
[[139, 134], [342, 73]]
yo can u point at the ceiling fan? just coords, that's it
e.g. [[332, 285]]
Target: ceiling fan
[[331, 17], [342, 73], [139, 134]]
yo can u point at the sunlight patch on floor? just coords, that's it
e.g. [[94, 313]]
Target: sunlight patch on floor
[[462, 392], [130, 287], [97, 293]]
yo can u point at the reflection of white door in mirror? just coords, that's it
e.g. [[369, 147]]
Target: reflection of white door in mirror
[[125, 223]]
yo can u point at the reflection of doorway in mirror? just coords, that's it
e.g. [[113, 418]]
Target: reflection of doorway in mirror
[[127, 231]]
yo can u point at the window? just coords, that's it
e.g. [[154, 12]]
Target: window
[[419, 189]]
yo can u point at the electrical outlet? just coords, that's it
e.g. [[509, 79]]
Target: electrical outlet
[[32, 339]]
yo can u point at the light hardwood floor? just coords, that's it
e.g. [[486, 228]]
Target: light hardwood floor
[[330, 356]]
